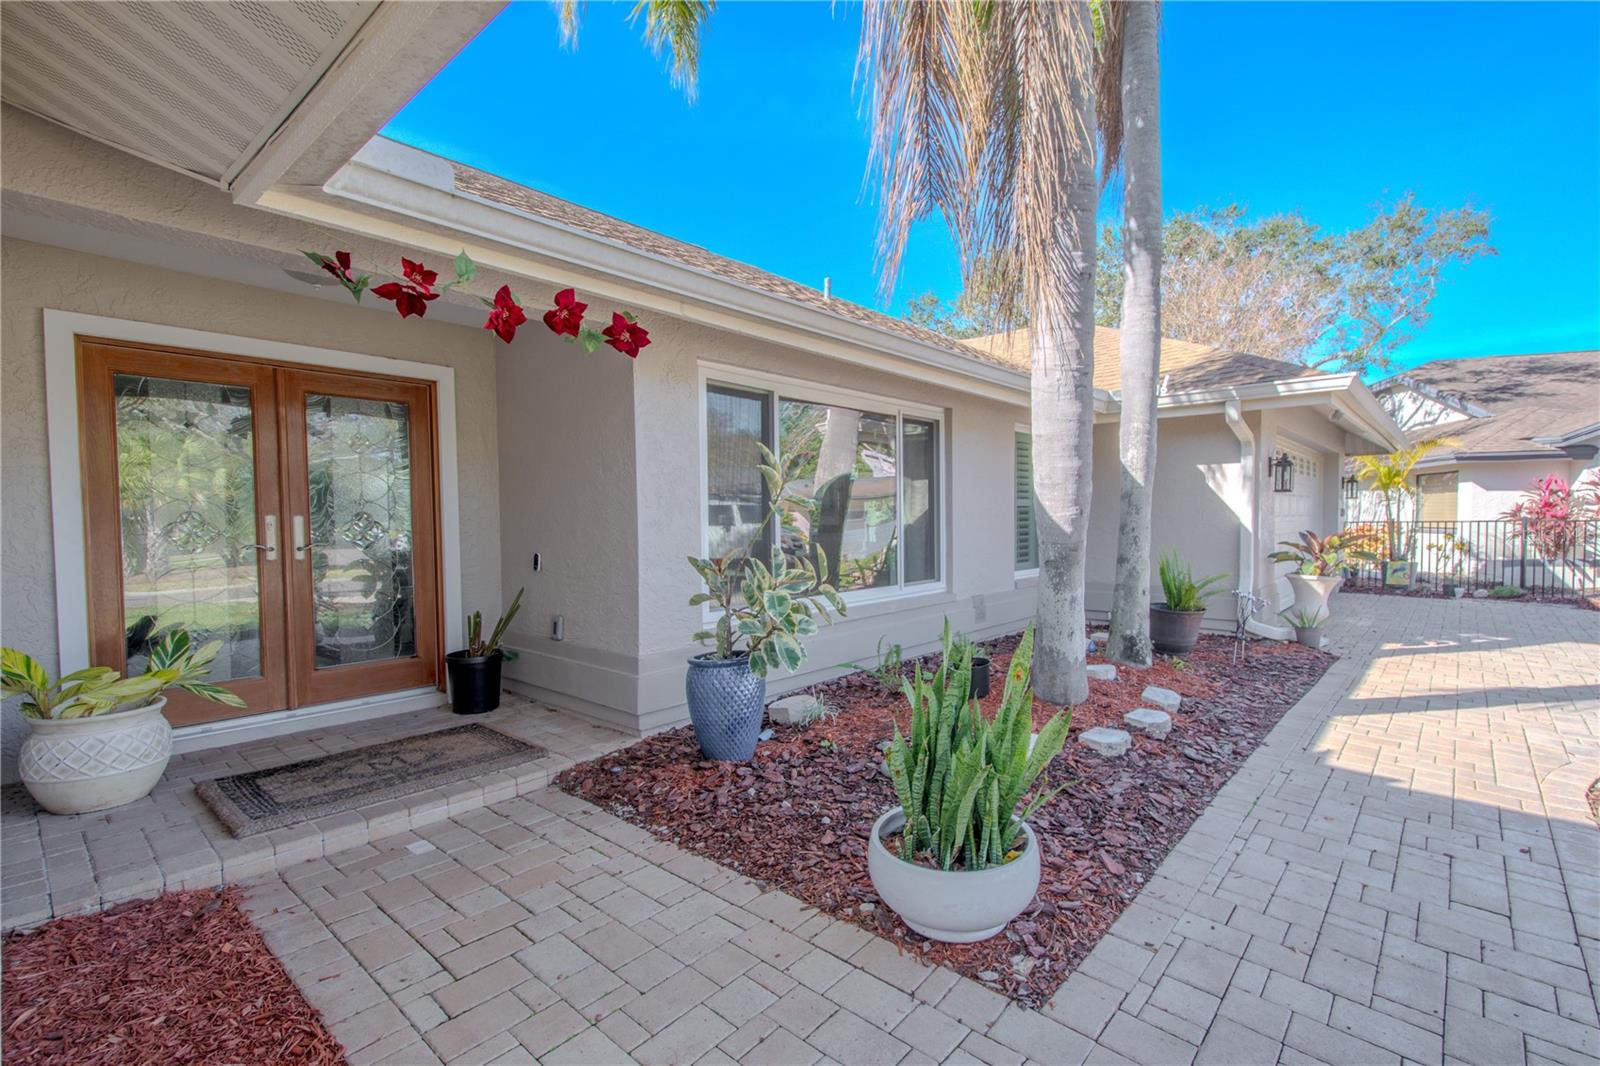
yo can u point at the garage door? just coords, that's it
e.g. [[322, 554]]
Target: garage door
[[1293, 512]]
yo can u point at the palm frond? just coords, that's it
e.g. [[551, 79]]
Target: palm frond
[[1111, 19], [675, 26]]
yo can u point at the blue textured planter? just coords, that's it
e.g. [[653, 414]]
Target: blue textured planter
[[726, 702]]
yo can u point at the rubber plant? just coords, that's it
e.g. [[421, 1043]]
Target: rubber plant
[[770, 606], [961, 777], [415, 287]]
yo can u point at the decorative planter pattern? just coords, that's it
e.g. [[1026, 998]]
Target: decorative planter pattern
[[474, 681], [955, 906], [726, 702], [1174, 632], [78, 765], [1311, 593]]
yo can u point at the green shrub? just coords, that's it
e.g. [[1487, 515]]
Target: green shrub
[[1505, 592], [1182, 591], [961, 777]]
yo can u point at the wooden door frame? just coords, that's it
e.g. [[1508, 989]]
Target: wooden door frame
[[62, 329], [99, 363], [313, 685]]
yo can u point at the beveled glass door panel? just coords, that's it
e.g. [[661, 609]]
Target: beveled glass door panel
[[180, 466], [363, 592]]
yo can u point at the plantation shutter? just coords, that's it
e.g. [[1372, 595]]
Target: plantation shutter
[[1026, 551]]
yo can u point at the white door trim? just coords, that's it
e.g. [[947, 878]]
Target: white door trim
[[61, 330]]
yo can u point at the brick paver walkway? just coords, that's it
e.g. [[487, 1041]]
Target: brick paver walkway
[[1404, 871]]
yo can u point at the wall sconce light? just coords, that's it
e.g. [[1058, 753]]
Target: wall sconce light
[[1352, 487], [1282, 473]]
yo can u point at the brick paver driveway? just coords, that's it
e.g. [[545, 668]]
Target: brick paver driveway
[[1406, 870]]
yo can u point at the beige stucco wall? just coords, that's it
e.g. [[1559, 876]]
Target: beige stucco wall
[[38, 276]]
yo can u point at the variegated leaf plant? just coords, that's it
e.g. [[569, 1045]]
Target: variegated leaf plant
[[768, 608], [174, 663], [961, 777]]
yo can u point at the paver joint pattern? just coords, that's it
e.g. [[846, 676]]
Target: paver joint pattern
[[1405, 872]]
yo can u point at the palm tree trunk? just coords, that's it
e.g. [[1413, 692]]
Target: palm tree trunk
[[1141, 330], [1062, 338]]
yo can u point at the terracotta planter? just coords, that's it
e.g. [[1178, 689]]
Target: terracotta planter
[[955, 906], [1174, 632], [1311, 594], [78, 765]]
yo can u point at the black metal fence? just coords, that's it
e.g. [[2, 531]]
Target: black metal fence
[[1483, 554]]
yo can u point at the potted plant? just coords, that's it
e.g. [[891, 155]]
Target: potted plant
[[1175, 623], [767, 609], [98, 739], [1319, 565], [956, 859], [475, 670], [1450, 557], [978, 687], [1307, 627], [1390, 476]]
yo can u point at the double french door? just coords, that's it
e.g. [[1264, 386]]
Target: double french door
[[289, 513]]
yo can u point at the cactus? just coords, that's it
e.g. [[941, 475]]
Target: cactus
[[959, 776]]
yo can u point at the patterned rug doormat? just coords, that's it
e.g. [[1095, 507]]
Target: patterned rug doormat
[[264, 800]]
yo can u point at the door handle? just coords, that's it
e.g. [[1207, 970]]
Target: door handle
[[300, 544], [269, 533]]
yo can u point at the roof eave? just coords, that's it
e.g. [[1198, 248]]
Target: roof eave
[[416, 190]]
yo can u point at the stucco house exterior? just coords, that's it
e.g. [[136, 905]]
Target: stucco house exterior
[[1507, 420], [152, 267]]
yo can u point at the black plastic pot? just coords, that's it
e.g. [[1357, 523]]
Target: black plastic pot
[[978, 686], [1174, 632], [474, 681]]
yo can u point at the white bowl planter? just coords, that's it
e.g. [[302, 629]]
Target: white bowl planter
[[78, 765], [955, 906], [1311, 593]]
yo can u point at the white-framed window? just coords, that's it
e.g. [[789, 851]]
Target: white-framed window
[[875, 466], [1025, 542]]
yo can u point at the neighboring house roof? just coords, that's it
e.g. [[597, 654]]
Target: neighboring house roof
[[1537, 404], [1185, 365]]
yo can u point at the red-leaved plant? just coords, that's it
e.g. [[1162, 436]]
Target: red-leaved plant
[[418, 286], [1555, 514]]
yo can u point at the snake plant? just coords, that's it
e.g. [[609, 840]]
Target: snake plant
[[960, 776]]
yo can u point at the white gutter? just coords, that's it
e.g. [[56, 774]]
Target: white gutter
[[1233, 413]]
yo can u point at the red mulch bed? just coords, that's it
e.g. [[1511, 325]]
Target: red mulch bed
[[181, 978], [798, 815]]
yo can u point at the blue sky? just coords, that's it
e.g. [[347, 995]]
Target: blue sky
[[1322, 108]]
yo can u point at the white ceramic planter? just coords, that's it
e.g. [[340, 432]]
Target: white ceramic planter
[[1311, 593], [955, 906], [78, 765]]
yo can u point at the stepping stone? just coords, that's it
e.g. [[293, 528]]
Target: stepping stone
[[1152, 722], [1104, 740], [1102, 672], [795, 710], [1164, 698], [1100, 636]]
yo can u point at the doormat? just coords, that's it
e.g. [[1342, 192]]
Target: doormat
[[264, 800]]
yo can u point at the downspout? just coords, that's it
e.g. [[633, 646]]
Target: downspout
[[1234, 414]]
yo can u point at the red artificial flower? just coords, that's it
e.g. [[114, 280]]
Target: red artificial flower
[[418, 275], [506, 315], [626, 337], [566, 316], [339, 269], [408, 299]]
